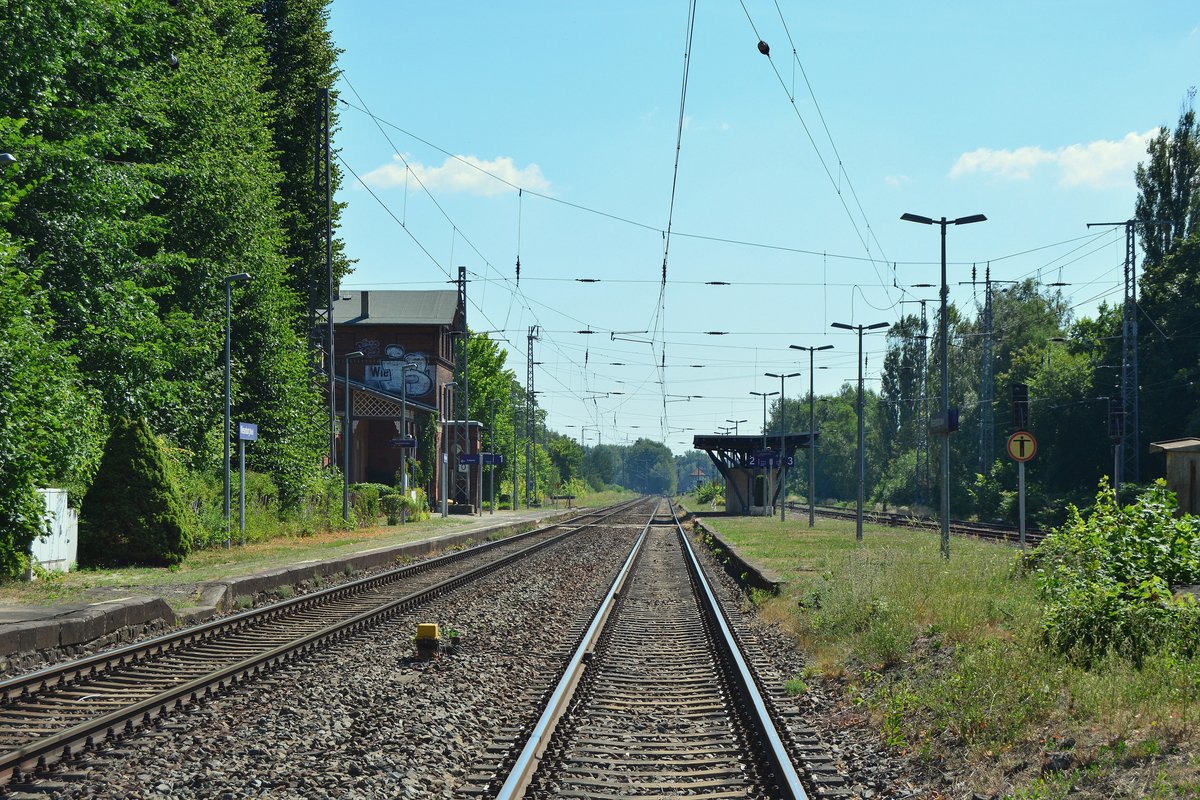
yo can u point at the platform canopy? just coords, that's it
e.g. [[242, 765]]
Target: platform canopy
[[731, 455], [735, 451]]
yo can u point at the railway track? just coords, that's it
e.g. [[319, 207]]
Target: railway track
[[658, 700], [55, 713], [981, 530]]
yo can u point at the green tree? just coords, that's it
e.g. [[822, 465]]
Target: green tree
[[133, 512], [301, 57], [1169, 346]]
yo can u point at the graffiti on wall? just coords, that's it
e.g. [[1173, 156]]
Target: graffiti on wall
[[391, 369]]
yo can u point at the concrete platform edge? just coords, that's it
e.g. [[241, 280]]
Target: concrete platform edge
[[76, 629], [740, 568]]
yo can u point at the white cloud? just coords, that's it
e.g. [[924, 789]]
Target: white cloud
[[896, 180], [1099, 164], [462, 174]]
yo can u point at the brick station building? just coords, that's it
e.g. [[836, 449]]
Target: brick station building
[[408, 341]]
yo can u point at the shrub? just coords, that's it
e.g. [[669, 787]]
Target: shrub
[[1106, 579], [709, 492], [133, 512], [364, 499]]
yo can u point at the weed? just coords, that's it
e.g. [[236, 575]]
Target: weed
[[795, 686], [243, 602], [286, 592]]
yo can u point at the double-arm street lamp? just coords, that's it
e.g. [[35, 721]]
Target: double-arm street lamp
[[241, 276], [766, 488], [782, 454], [347, 432], [861, 459], [736, 422], [943, 323], [812, 434]]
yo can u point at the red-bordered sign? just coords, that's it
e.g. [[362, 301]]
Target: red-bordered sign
[[1022, 446]]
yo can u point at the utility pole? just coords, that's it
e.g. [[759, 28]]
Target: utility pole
[[530, 407], [782, 454], [462, 413], [1129, 445], [861, 449], [987, 377], [766, 481], [943, 347], [812, 434], [324, 169]]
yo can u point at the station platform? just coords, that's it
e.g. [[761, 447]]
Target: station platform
[[37, 631]]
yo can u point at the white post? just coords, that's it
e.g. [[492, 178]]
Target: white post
[[1021, 499]]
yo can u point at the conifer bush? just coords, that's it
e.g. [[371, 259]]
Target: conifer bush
[[133, 513]]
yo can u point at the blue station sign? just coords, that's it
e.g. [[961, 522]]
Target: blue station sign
[[247, 432], [400, 441], [493, 459]]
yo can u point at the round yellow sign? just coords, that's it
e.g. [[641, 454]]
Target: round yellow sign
[[1022, 446]]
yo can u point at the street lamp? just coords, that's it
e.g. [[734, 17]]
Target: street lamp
[[764, 396], [943, 317], [736, 422], [812, 434], [782, 456], [861, 460], [241, 276], [445, 487], [7, 159], [346, 433]]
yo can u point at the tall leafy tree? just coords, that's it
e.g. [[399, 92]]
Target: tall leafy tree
[[301, 58], [1168, 204]]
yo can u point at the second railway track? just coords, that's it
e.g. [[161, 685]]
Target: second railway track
[[53, 713]]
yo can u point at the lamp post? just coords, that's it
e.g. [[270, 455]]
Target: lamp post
[[764, 396], [812, 434], [404, 435], [346, 433], [241, 276], [7, 159], [782, 455], [445, 481], [943, 322], [858, 534], [736, 422]]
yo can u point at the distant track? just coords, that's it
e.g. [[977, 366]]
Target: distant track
[[980, 530]]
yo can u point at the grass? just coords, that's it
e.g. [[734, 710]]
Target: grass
[[947, 659]]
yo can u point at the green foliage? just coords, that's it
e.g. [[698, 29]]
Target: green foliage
[[710, 492], [1106, 578], [365, 500], [133, 512]]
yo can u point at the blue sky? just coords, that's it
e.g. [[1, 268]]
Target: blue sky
[[1034, 114]]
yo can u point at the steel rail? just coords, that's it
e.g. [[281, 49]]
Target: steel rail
[[88, 666], [778, 759], [526, 764], [777, 753], [981, 530], [39, 754]]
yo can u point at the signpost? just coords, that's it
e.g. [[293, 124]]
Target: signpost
[[247, 432], [1021, 448], [465, 459], [408, 443]]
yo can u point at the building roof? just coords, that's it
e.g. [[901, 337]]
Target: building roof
[[1188, 444], [394, 307]]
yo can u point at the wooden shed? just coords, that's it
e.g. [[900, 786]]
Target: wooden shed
[[1183, 461]]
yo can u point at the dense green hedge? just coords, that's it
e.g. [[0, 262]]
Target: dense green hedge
[[1106, 579]]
